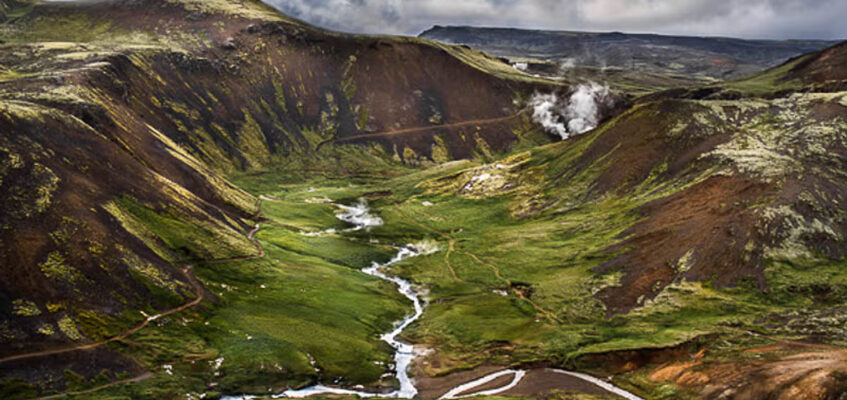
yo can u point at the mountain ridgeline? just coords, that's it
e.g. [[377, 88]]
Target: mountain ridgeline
[[715, 57], [170, 173]]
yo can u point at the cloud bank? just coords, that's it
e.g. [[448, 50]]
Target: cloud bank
[[770, 19]]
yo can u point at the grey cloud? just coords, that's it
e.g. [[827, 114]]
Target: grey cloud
[[776, 19]]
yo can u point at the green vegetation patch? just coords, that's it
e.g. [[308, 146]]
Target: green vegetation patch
[[188, 237]]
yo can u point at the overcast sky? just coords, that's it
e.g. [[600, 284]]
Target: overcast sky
[[770, 19]]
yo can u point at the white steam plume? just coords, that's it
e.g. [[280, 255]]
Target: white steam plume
[[578, 114]]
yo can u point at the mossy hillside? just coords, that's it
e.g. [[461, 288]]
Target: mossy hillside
[[768, 83], [192, 239], [562, 245], [196, 208], [523, 287], [775, 82], [58, 189], [464, 315], [516, 276], [277, 319], [283, 121]]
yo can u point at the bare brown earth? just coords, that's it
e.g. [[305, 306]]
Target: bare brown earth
[[537, 383], [794, 372], [707, 217], [824, 69], [544, 383], [494, 384], [108, 356], [430, 387]]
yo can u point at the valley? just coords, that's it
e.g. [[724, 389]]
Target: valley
[[212, 200]]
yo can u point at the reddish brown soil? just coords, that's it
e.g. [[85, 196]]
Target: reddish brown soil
[[199, 291], [422, 129], [537, 383], [801, 375], [824, 69], [710, 219], [496, 383]]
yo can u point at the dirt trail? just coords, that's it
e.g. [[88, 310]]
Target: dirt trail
[[199, 291], [195, 284], [518, 291], [146, 375], [421, 129], [451, 248]]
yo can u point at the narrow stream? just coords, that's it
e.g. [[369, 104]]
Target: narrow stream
[[404, 353], [360, 217]]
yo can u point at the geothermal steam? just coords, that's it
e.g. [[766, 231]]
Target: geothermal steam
[[576, 115]]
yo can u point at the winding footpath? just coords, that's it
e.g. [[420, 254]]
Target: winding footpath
[[485, 121], [199, 292], [189, 276], [461, 391]]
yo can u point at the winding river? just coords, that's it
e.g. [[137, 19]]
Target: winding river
[[360, 217]]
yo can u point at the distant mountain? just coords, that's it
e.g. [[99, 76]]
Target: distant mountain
[[715, 57]]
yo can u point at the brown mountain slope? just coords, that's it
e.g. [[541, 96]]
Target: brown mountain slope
[[119, 117], [824, 69], [726, 189], [740, 185]]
